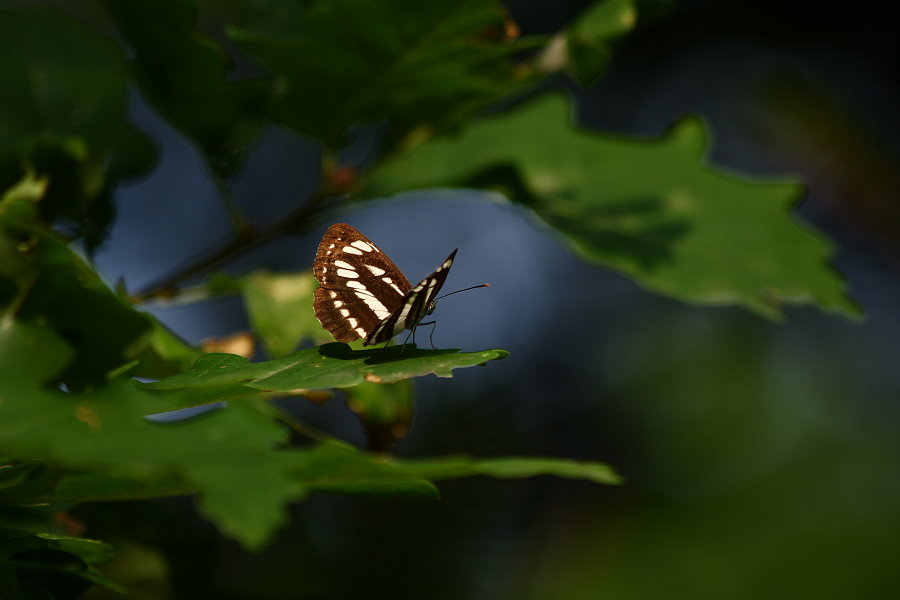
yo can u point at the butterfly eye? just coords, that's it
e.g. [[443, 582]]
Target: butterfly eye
[[431, 306]]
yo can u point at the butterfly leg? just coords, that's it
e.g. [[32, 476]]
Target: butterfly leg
[[430, 334], [406, 339]]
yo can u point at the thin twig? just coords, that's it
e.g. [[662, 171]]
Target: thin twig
[[300, 220]]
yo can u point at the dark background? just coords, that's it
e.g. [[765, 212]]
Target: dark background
[[760, 458]]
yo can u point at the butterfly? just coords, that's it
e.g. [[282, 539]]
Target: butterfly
[[363, 295]]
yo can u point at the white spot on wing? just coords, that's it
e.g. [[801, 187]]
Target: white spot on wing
[[391, 283], [353, 322], [345, 312], [400, 325], [362, 246], [333, 294], [373, 303], [337, 303], [356, 285], [344, 265], [351, 250], [361, 331], [348, 274], [375, 270]]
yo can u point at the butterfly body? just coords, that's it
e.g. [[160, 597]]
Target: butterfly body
[[362, 294]]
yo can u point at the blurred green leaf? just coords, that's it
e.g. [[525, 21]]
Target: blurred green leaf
[[228, 456], [280, 309], [649, 209], [339, 464], [32, 563], [588, 39], [45, 282], [166, 353], [47, 482], [185, 75], [338, 63], [384, 409], [63, 113]]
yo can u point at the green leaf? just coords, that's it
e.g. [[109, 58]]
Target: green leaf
[[185, 75], [166, 353], [97, 445], [228, 456], [650, 209], [332, 465], [384, 409], [280, 309], [63, 112], [588, 39], [338, 63], [331, 365], [42, 560], [44, 281]]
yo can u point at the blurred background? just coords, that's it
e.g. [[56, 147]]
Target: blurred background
[[761, 459]]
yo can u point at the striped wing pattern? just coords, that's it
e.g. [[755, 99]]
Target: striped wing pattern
[[362, 293], [420, 301]]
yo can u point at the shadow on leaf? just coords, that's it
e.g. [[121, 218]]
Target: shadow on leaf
[[637, 230], [377, 356]]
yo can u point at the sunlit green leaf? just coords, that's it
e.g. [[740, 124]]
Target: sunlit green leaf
[[650, 209], [331, 365]]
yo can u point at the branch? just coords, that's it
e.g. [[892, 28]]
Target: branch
[[301, 220]]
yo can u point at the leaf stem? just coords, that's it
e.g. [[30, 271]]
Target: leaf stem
[[299, 426]]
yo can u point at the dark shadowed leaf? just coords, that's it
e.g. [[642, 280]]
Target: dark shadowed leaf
[[31, 563], [166, 353], [228, 456], [185, 75], [48, 283], [337, 63], [384, 409], [63, 111], [588, 40]]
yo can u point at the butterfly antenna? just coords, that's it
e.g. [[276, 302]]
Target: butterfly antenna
[[463, 290]]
